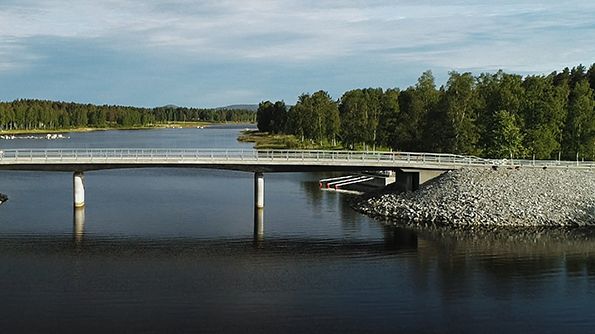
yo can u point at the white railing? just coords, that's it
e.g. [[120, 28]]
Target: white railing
[[237, 156]]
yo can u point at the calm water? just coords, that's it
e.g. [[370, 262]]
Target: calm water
[[172, 250]]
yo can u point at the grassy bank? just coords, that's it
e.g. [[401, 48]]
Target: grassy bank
[[154, 126], [264, 140]]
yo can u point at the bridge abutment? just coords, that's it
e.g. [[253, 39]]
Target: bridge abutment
[[411, 179], [258, 205], [78, 189], [407, 180]]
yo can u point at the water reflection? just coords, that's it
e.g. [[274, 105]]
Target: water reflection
[[191, 248], [505, 262], [258, 224], [78, 225], [312, 190]]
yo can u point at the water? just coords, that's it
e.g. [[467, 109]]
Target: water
[[172, 250]]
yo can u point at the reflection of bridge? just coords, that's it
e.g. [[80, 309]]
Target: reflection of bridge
[[411, 167]]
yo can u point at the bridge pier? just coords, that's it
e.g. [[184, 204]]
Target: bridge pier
[[258, 205], [79, 189]]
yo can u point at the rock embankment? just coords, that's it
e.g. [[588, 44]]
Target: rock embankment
[[502, 197]]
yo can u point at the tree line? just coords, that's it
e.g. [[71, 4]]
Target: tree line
[[496, 115], [49, 115]]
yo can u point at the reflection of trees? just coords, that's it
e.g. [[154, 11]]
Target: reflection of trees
[[313, 193], [319, 200], [459, 263], [505, 261], [396, 238]]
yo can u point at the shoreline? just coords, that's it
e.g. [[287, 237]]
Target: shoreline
[[176, 125]]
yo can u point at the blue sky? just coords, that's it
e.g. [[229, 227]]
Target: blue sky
[[213, 53]]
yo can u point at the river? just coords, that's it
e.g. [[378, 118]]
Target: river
[[172, 250]]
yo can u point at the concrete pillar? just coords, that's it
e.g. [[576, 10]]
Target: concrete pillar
[[78, 224], [259, 190], [79, 190], [258, 206]]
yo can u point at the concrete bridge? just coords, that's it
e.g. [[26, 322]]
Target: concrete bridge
[[412, 168]]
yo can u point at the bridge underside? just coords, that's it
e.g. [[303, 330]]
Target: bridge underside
[[255, 168]]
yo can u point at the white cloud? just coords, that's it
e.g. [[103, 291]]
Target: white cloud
[[14, 56], [516, 35]]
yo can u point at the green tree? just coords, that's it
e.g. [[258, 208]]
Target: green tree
[[544, 112], [460, 107], [496, 93], [354, 118], [264, 116], [591, 76], [508, 139], [579, 137], [389, 118], [279, 119]]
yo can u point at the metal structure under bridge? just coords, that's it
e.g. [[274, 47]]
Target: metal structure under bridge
[[410, 166]]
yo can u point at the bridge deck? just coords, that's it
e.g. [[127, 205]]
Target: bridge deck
[[252, 160]]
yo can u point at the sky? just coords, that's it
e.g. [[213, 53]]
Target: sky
[[220, 52]]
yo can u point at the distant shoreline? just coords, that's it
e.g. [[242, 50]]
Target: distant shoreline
[[169, 125]]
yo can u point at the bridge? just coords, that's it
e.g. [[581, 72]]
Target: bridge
[[409, 165]]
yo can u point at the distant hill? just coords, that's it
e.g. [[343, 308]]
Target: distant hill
[[251, 107], [170, 106]]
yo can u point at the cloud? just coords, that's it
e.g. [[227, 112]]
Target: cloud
[[297, 31], [336, 42], [14, 56]]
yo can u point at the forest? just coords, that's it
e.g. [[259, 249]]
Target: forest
[[51, 115], [497, 115]]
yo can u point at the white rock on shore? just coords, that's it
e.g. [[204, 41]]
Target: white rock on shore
[[502, 197]]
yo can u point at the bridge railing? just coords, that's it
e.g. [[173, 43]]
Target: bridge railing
[[218, 154], [97, 155]]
